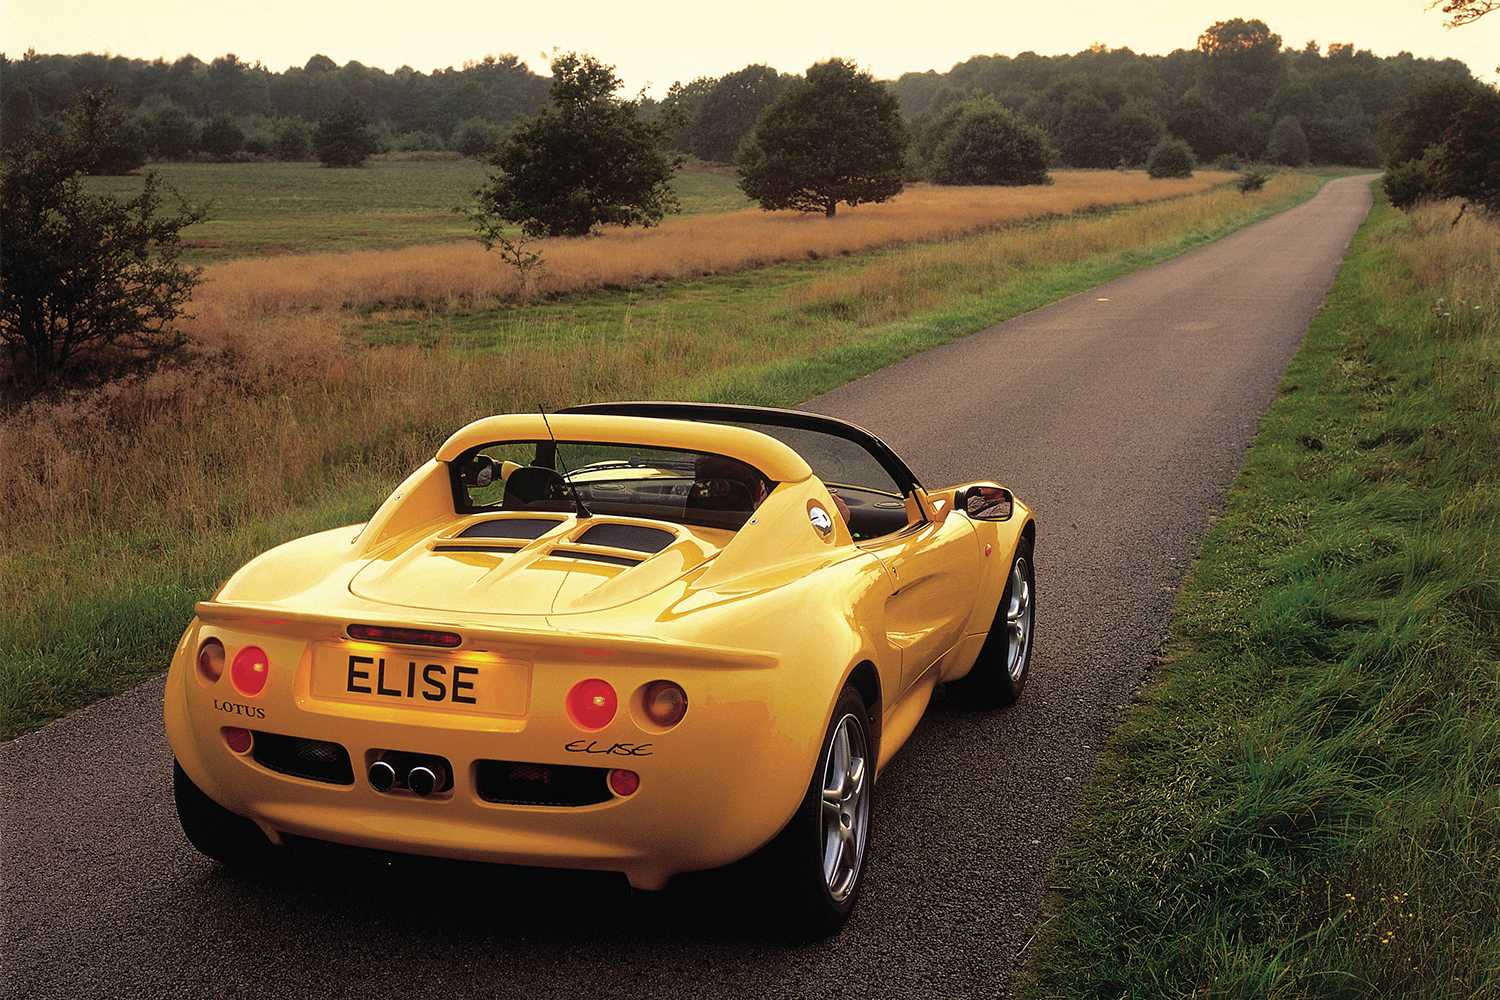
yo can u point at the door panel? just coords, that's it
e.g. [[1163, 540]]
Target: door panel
[[933, 568]]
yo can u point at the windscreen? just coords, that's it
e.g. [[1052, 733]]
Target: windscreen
[[667, 484]]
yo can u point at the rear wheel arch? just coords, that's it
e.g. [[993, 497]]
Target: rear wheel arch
[[865, 679]]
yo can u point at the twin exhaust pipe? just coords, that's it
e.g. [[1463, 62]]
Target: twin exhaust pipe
[[421, 779]]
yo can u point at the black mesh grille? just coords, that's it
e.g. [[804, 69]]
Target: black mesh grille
[[511, 527], [316, 760], [518, 783], [637, 537]]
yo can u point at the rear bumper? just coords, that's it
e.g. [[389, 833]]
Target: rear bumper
[[711, 790]]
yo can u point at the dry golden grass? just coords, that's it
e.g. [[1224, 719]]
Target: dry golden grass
[[453, 276], [1464, 255]]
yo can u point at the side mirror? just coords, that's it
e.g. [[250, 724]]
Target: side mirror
[[478, 472], [986, 503]]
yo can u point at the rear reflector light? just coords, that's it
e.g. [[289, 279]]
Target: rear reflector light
[[239, 740], [665, 703], [211, 660], [623, 782], [405, 636], [592, 704], [250, 671]]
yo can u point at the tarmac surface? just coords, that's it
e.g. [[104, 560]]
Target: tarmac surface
[[1121, 415]]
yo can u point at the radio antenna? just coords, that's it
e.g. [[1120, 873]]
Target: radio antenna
[[583, 510]]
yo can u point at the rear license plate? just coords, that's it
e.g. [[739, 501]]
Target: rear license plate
[[481, 684]]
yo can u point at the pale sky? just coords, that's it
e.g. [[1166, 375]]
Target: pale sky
[[653, 44]]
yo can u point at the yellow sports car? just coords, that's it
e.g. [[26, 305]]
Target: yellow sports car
[[639, 637]]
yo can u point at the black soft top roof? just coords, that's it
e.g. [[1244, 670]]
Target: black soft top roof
[[766, 416]]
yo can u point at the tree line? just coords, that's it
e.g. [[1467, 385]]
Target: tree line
[[228, 108], [1238, 95]]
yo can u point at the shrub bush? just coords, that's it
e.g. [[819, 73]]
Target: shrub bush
[[1288, 143], [1252, 180], [1171, 158], [1409, 183], [990, 145]]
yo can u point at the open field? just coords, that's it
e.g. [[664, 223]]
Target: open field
[[123, 507], [275, 209], [1307, 802]]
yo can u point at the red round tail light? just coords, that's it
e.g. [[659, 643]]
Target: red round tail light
[[211, 660], [592, 704], [623, 782], [239, 740], [250, 670], [665, 703]]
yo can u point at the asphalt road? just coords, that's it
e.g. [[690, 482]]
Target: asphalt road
[[1121, 415]]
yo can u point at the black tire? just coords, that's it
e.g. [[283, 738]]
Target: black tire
[[1000, 672], [214, 830], [820, 857]]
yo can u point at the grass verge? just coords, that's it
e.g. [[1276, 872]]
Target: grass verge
[[1307, 802], [123, 506]]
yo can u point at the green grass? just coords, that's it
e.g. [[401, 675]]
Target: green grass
[[701, 191], [1307, 802], [270, 209]]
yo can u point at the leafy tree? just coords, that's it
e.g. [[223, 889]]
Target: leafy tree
[[83, 273], [343, 137], [465, 101], [1198, 120], [588, 160], [174, 134], [685, 101], [1242, 64], [18, 114], [1171, 158], [987, 144], [476, 138], [1295, 97], [729, 110], [1134, 130], [1288, 143], [931, 127], [1341, 134], [1468, 162], [293, 140], [833, 136], [1082, 134], [1418, 119], [126, 150], [1251, 131], [221, 138]]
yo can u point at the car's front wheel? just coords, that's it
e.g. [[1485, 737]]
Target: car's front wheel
[[999, 673], [821, 853], [214, 830]]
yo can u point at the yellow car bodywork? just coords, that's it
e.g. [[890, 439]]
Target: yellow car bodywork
[[762, 627]]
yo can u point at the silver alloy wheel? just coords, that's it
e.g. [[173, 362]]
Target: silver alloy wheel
[[846, 807], [1018, 615]]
